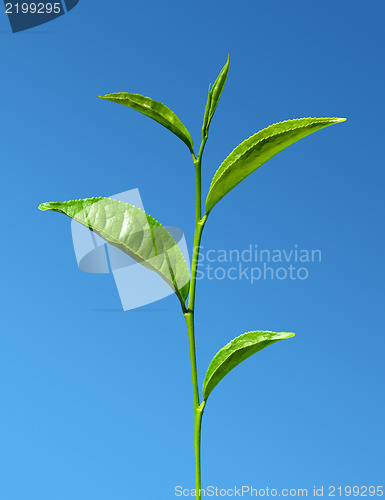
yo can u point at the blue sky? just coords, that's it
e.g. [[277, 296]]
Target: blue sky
[[97, 403]]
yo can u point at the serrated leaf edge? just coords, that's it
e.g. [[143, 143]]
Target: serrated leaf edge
[[319, 120], [188, 136], [100, 198]]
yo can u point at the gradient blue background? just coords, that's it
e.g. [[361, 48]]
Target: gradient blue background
[[96, 403]]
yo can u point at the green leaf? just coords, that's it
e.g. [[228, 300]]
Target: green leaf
[[155, 110], [257, 150], [235, 352], [135, 233], [214, 95]]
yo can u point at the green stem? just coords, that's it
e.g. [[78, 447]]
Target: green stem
[[189, 317], [194, 265], [197, 445], [198, 408]]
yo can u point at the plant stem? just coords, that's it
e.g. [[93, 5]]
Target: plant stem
[[189, 317], [194, 265], [197, 445]]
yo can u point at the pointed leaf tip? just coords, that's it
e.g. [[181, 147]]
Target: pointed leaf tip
[[45, 206]]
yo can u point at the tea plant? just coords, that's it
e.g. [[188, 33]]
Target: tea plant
[[145, 240]]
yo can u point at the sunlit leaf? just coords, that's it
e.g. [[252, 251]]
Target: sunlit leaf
[[134, 232], [155, 110], [235, 352], [214, 95], [257, 150]]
